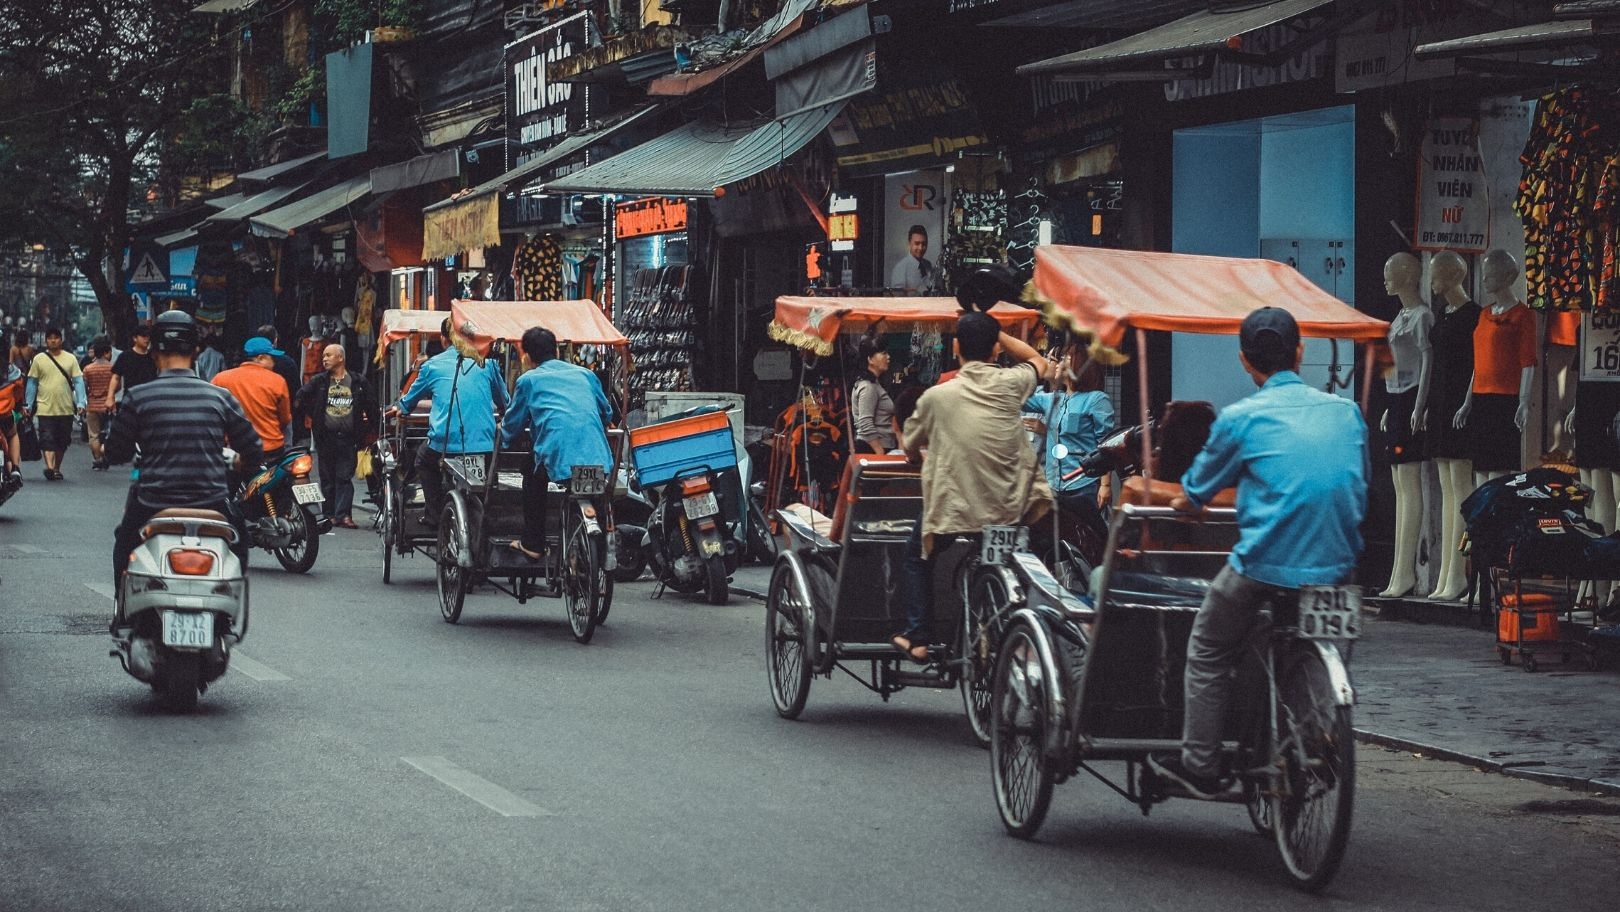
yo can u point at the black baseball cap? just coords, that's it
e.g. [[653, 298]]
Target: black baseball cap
[[1268, 321]]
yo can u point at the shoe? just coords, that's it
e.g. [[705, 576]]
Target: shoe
[[1168, 767], [98, 466], [52, 475], [346, 522]]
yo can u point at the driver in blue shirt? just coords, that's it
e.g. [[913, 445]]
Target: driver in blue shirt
[[1298, 457], [563, 409]]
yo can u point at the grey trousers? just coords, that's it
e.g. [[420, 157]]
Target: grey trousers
[[1225, 621]]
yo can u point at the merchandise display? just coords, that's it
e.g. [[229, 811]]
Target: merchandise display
[[1408, 385], [1451, 371], [1497, 406], [1568, 198], [655, 313]]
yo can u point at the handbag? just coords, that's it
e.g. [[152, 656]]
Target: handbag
[[362, 464], [28, 440]]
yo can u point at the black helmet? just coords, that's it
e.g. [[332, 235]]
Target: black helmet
[[988, 285], [174, 332]]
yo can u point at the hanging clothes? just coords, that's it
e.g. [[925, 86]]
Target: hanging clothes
[[537, 269], [1608, 210], [1574, 134]]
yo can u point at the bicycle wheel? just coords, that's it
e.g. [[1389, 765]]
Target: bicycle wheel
[[388, 522], [1019, 710], [451, 577], [579, 574], [986, 594], [1316, 782], [604, 583], [789, 644], [1258, 802]]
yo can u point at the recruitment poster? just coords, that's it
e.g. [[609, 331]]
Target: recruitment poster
[[1453, 206]]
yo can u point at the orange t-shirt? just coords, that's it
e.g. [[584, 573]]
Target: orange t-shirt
[[1503, 347], [1563, 327], [263, 395]]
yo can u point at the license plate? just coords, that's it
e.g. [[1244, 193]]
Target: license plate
[[1330, 612], [188, 629], [472, 468], [588, 480], [998, 543], [701, 505], [308, 493]]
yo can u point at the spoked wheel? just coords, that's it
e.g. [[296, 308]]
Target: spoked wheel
[[452, 577], [762, 545], [789, 644], [985, 594], [1019, 709], [1258, 801], [1317, 783], [604, 581], [579, 578], [388, 525], [299, 556], [1072, 570]]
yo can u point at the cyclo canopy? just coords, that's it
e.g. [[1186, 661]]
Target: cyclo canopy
[[813, 324], [402, 324], [482, 323]]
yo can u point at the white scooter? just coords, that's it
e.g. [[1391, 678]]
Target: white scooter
[[183, 604]]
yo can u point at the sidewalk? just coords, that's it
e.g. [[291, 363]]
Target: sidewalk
[[1440, 690]]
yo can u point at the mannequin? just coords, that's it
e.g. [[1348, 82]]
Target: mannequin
[[1505, 344], [1408, 386], [1563, 330], [1448, 445], [1597, 453]]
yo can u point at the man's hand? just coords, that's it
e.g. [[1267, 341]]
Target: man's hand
[[393, 412], [27, 412], [1181, 503]]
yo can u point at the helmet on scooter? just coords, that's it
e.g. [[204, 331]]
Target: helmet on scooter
[[174, 332]]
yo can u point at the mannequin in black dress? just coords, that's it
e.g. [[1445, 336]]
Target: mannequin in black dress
[[1453, 359]]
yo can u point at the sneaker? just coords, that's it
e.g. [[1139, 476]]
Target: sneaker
[[1169, 768]]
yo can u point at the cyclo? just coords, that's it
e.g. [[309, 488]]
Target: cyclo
[[483, 510], [837, 592], [401, 336], [1098, 680]]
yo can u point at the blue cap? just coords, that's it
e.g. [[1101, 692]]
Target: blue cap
[[259, 345]]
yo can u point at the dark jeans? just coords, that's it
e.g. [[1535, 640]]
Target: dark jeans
[[127, 536], [431, 477], [919, 589], [534, 508], [334, 460]]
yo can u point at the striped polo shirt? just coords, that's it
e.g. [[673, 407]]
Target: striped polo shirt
[[182, 425]]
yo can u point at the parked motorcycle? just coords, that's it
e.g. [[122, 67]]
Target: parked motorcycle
[[183, 605], [280, 505], [689, 541]]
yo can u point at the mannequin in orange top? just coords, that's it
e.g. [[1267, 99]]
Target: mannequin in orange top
[[1449, 447], [1408, 387], [1563, 331], [1497, 406]]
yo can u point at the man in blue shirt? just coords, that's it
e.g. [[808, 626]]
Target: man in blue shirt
[[466, 397], [563, 409], [1298, 457], [1079, 416]]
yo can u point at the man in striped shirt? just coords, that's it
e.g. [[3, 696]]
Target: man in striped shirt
[[181, 425]]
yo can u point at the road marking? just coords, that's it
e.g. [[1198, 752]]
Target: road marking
[[477, 788], [105, 590], [258, 671], [26, 549]]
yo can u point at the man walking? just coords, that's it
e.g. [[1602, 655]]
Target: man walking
[[133, 367], [340, 409], [262, 394], [97, 416], [55, 395]]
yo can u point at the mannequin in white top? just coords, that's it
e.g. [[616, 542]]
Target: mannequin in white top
[[1408, 382], [1447, 272], [1498, 270]]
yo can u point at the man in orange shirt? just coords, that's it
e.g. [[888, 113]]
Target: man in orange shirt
[[97, 384], [262, 393]]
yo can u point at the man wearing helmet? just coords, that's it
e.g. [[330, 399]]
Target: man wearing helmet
[[181, 425]]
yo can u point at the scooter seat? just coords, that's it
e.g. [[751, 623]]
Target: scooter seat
[[172, 521], [188, 513]]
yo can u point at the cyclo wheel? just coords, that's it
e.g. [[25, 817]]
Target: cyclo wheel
[[1316, 780], [983, 595], [1019, 709], [579, 576], [452, 577], [604, 582], [790, 643], [1259, 804], [390, 529]]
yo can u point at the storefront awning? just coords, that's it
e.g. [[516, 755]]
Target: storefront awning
[[223, 6], [279, 223], [271, 172], [1520, 38], [1202, 32], [696, 159], [254, 204], [423, 169]]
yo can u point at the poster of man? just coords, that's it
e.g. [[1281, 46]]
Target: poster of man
[[913, 228], [914, 273]]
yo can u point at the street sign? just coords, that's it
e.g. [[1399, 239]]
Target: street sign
[[148, 268]]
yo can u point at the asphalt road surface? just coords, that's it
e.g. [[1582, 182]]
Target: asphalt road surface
[[364, 755]]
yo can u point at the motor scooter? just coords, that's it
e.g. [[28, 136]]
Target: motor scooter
[[279, 503], [688, 541], [182, 605]]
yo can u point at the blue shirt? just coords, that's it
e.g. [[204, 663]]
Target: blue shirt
[[465, 422], [1080, 422], [563, 408], [1298, 457]]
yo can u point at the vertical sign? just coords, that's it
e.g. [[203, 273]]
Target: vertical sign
[[540, 111], [1453, 210], [912, 201]]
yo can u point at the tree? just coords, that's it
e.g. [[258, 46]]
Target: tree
[[89, 92]]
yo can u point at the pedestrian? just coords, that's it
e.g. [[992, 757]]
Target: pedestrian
[[97, 382], [11, 402], [210, 361], [262, 394], [133, 367], [340, 411], [22, 350], [55, 394]]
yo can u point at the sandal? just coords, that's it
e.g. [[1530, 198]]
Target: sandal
[[531, 555], [918, 654]]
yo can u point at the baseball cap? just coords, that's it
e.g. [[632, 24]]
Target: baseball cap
[[1268, 320], [143, 329], [259, 345]]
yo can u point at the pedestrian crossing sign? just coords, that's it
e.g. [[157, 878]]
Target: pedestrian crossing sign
[[149, 267]]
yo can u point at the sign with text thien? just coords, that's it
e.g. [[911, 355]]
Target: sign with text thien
[[540, 111], [1453, 209], [648, 216]]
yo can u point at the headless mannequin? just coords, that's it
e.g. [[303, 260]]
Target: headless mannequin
[[1562, 376], [1604, 481], [1446, 276], [1498, 270], [1402, 275]]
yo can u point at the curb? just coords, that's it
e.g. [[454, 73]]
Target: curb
[[746, 592], [1564, 780]]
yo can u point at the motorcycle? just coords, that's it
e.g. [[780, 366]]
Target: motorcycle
[[279, 504], [182, 605], [687, 542]]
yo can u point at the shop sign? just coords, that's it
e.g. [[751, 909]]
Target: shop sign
[[1600, 346], [649, 216], [924, 117], [1230, 76], [1453, 208], [1376, 51], [540, 111], [843, 223]]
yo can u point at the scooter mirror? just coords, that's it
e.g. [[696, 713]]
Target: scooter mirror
[[1060, 451]]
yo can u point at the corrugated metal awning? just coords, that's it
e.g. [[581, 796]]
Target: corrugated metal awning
[[255, 204], [223, 6], [1202, 32], [271, 172], [696, 159], [1520, 38], [289, 218], [423, 169], [224, 202]]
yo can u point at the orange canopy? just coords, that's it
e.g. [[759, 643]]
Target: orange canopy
[[813, 323], [401, 324], [579, 322], [1109, 290]]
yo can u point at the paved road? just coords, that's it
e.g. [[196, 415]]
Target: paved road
[[343, 769]]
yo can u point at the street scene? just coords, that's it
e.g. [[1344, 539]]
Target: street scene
[[809, 453]]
